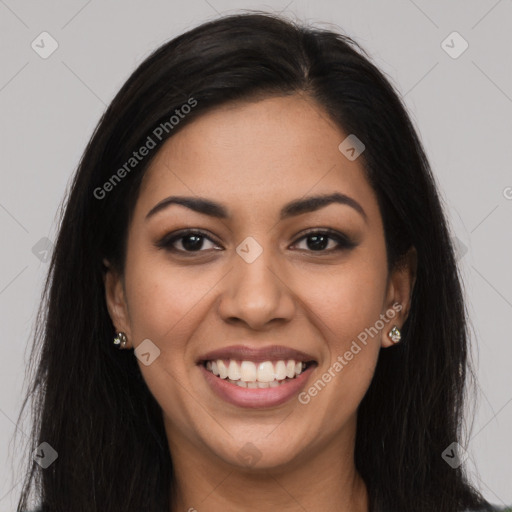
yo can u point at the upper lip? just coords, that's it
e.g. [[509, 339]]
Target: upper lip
[[257, 355]]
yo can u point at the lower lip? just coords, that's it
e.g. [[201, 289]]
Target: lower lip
[[256, 398]]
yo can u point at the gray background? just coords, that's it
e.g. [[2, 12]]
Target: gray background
[[462, 108]]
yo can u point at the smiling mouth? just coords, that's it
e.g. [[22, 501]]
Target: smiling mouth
[[265, 374]]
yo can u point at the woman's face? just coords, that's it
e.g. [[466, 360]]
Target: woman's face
[[254, 289]]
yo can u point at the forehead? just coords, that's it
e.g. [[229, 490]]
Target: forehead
[[257, 154]]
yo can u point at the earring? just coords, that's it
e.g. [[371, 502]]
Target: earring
[[120, 340], [395, 334]]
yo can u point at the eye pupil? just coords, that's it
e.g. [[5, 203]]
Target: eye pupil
[[196, 243], [316, 245]]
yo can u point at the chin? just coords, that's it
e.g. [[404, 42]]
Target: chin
[[260, 453]]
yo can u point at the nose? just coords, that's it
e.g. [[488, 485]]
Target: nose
[[257, 293]]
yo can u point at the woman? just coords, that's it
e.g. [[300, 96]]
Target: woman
[[253, 300]]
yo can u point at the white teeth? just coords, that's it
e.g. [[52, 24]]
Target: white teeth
[[290, 369], [234, 370], [248, 371], [223, 371], [265, 372], [256, 375], [280, 370]]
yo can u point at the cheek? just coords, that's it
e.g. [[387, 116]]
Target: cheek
[[165, 306], [162, 298], [348, 299], [346, 307]]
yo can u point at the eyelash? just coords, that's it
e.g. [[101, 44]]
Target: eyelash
[[344, 242]]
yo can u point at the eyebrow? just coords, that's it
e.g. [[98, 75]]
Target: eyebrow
[[292, 209]]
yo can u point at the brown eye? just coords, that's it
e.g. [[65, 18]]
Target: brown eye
[[191, 241], [318, 241]]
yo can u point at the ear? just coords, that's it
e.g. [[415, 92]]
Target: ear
[[400, 288], [116, 301]]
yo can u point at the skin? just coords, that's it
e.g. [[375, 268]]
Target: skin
[[253, 157]]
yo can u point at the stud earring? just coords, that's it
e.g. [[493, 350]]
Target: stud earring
[[120, 340], [395, 334]]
